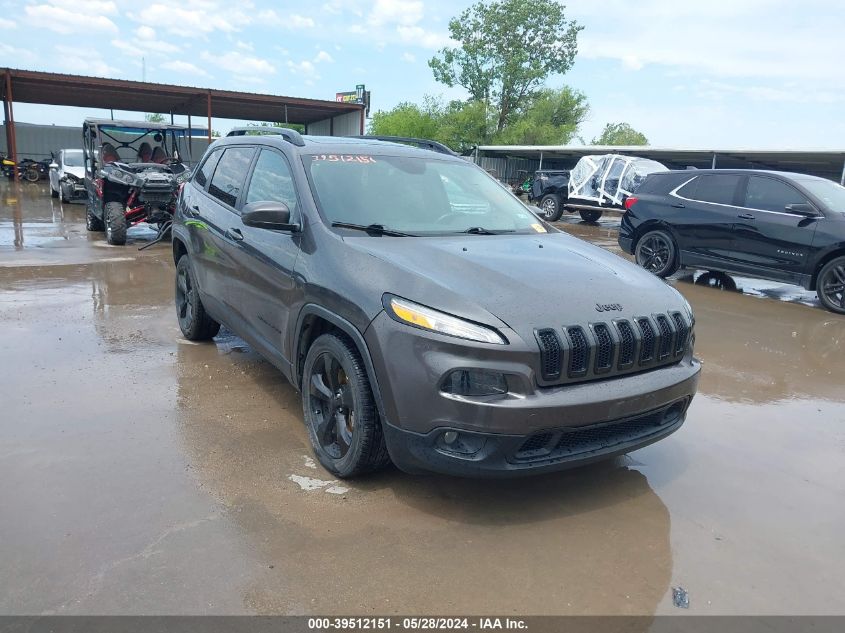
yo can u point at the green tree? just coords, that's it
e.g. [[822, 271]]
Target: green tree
[[410, 119], [552, 119], [291, 126], [507, 49], [154, 118], [620, 134]]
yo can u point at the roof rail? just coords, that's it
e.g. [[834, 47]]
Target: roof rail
[[422, 143], [291, 136]]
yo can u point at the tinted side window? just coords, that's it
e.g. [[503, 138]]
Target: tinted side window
[[769, 194], [230, 174], [271, 180], [688, 190], [717, 188], [207, 168]]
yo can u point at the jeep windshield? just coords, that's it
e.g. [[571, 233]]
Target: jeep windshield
[[414, 195]]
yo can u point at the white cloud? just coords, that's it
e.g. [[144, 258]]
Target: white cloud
[[63, 16], [761, 39], [244, 45], [145, 44], [186, 68], [406, 12], [83, 61], [302, 68], [323, 56], [192, 18], [243, 65], [7, 24], [422, 37], [269, 17], [409, 57]]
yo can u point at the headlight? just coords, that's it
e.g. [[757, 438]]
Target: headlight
[[436, 321]]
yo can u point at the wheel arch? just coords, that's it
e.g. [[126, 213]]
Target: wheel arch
[[179, 248], [654, 225], [315, 320], [839, 251]]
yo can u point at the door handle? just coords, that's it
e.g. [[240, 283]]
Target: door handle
[[745, 216], [679, 205], [235, 234]]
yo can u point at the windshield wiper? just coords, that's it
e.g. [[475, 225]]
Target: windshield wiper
[[371, 229], [480, 230]]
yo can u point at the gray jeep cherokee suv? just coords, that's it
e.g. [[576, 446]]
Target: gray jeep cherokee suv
[[480, 342]]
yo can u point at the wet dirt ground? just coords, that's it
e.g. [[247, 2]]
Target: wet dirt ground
[[143, 474]]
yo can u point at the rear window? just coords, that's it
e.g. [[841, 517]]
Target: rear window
[[230, 174], [73, 158], [718, 189]]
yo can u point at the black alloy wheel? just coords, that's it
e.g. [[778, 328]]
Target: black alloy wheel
[[331, 402], [195, 323], [831, 285], [656, 253], [339, 408]]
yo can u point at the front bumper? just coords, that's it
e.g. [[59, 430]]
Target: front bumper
[[517, 455], [73, 189], [410, 363]]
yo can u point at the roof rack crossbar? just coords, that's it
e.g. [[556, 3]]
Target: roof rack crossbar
[[291, 136], [422, 143]]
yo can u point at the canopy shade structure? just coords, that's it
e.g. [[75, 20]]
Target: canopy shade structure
[[28, 86], [822, 162]]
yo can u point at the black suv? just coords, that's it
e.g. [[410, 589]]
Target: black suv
[[549, 191], [419, 331], [774, 225]]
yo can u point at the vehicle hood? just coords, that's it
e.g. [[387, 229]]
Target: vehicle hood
[[79, 172], [523, 282]]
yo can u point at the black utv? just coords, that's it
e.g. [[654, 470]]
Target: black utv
[[133, 171]]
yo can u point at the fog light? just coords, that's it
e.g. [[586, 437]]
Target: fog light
[[460, 443], [475, 382]]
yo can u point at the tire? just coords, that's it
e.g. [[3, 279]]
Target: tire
[[32, 175], [350, 440], [64, 197], [194, 321], [115, 221], [657, 252], [590, 215], [92, 222], [830, 285], [54, 193], [551, 207]]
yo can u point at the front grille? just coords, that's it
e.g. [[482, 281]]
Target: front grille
[[579, 356], [569, 442], [647, 333], [683, 333], [551, 355], [665, 347], [604, 347], [575, 353], [627, 344]]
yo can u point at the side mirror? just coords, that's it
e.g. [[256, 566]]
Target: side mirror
[[807, 210], [267, 214]]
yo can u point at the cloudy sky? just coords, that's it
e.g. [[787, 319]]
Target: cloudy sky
[[740, 73]]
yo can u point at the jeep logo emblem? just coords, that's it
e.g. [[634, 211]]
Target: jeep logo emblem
[[607, 307]]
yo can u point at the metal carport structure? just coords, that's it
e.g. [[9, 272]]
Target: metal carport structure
[[28, 86], [824, 163]]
